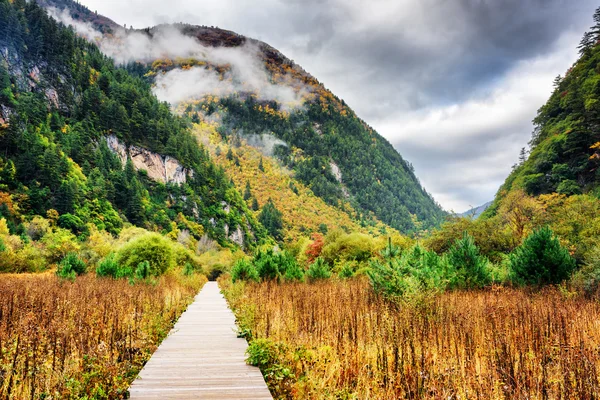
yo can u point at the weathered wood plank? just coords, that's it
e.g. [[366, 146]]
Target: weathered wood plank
[[201, 358]]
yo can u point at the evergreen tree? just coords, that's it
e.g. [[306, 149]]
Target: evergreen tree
[[255, 205], [541, 259], [65, 197], [471, 268], [270, 218], [247, 193]]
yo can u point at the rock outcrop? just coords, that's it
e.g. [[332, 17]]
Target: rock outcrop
[[160, 168]]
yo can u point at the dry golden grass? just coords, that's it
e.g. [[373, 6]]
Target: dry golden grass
[[86, 339], [341, 341]]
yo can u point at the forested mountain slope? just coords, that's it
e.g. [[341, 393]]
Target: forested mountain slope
[[62, 103], [565, 147], [249, 88]]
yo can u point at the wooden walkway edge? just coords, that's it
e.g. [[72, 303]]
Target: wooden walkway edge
[[201, 358]]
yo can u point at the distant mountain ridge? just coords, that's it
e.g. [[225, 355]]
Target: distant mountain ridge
[[475, 212]]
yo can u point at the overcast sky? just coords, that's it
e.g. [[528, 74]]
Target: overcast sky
[[452, 84]]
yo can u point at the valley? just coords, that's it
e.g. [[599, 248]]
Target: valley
[[138, 164]]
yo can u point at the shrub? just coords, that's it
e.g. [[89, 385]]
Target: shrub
[[587, 279], [143, 270], [267, 265], [70, 266], [470, 268], [151, 247], [541, 260], [416, 270], [108, 267], [243, 270], [59, 243], [348, 247], [28, 258], [318, 270], [269, 356], [293, 272], [37, 228], [188, 269], [346, 272], [216, 271], [72, 223]]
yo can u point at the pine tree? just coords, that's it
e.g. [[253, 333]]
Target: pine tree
[[261, 167], [135, 207], [65, 197], [255, 205], [270, 218], [541, 259], [247, 193]]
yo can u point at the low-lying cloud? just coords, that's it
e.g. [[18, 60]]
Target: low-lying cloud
[[265, 142], [246, 72]]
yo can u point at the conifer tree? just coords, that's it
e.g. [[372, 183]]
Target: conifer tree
[[270, 218], [247, 193]]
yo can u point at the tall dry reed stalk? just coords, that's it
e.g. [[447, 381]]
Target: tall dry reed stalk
[[86, 339], [341, 341]]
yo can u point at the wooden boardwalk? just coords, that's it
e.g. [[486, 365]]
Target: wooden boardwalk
[[201, 358]]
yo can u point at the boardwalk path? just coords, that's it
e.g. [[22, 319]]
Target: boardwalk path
[[202, 358]]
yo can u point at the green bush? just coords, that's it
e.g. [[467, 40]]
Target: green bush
[[71, 266], [267, 265], [243, 270], [108, 267], [72, 223], [293, 273], [470, 267], [142, 271], [587, 279], [188, 269], [269, 357], [151, 247], [541, 260], [416, 270], [318, 270], [346, 272]]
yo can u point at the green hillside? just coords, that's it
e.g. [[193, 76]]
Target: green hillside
[[62, 104], [564, 150]]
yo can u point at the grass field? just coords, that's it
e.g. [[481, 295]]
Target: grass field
[[86, 339], [339, 340]]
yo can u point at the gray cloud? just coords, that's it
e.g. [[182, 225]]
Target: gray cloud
[[452, 84]]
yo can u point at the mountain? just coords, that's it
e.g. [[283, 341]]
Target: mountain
[[564, 153], [84, 141], [247, 89], [475, 212]]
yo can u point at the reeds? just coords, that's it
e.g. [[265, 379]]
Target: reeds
[[86, 339], [340, 340]]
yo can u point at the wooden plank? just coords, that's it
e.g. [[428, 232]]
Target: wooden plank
[[201, 358]]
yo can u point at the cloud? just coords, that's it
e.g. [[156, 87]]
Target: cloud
[[246, 70], [265, 142], [464, 151], [84, 29], [452, 84]]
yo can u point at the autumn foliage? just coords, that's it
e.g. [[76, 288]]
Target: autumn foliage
[[315, 248]]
